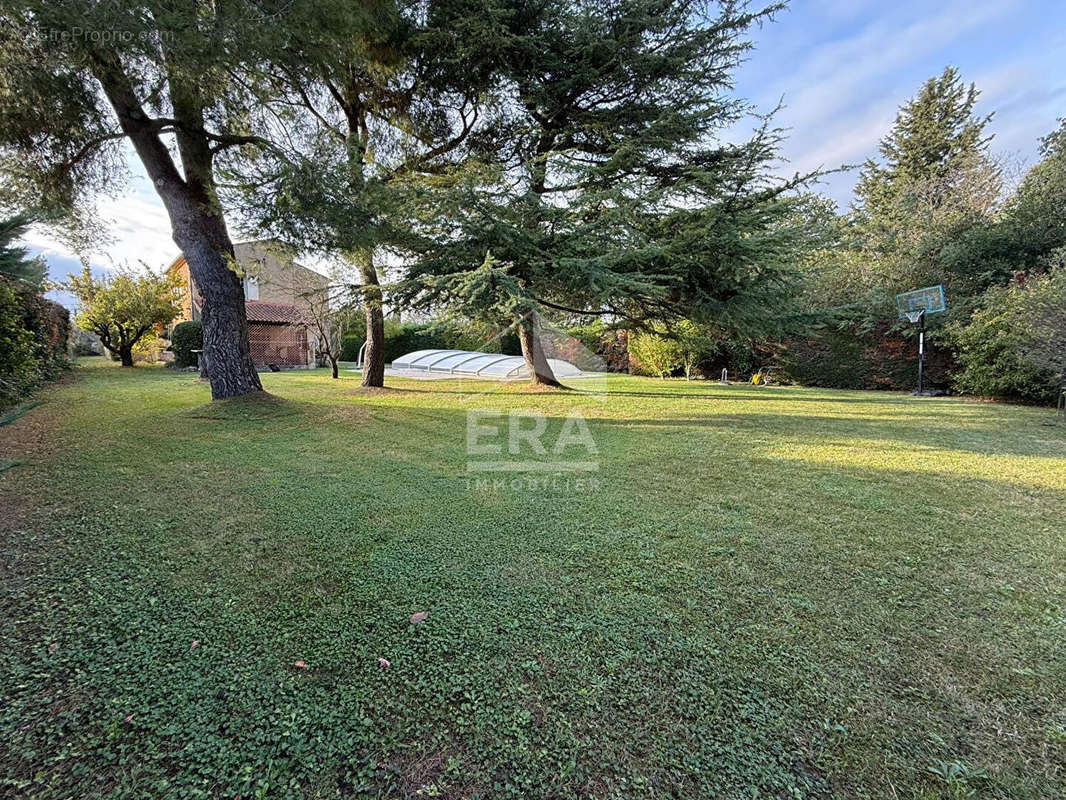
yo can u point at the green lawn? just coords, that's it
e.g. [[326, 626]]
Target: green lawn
[[775, 592]]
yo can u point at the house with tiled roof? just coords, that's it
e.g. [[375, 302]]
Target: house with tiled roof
[[278, 296]]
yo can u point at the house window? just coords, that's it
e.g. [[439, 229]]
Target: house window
[[251, 288]]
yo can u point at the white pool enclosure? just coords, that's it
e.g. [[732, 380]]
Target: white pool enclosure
[[468, 364]]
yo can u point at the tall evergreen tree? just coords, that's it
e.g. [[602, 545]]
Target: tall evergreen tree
[[608, 189], [933, 185], [934, 134], [363, 110], [15, 262]]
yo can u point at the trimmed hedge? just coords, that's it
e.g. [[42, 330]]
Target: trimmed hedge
[[33, 341], [186, 337], [405, 337], [882, 358], [833, 360]]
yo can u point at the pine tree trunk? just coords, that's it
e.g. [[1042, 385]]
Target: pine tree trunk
[[529, 336], [374, 357], [226, 351], [196, 220]]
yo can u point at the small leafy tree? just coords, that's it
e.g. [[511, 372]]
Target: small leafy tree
[[333, 313], [698, 344], [685, 345], [122, 309], [655, 354]]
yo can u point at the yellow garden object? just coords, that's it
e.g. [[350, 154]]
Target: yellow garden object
[[763, 376]]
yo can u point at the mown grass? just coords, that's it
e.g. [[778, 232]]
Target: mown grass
[[775, 592]]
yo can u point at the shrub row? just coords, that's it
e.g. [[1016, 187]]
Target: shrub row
[[839, 358], [33, 341]]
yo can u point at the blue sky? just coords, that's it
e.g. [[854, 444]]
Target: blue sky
[[841, 67]]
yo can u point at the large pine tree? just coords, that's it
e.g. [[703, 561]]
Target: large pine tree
[[78, 78], [609, 187], [932, 186], [935, 134]]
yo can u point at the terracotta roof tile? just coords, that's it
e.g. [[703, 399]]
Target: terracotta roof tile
[[277, 313]]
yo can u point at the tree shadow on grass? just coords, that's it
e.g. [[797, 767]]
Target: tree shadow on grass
[[770, 394], [524, 389], [252, 407], [726, 393], [944, 435], [707, 585]]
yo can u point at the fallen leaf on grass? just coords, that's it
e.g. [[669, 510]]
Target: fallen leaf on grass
[[52, 647], [300, 665], [384, 663], [195, 644], [419, 616]]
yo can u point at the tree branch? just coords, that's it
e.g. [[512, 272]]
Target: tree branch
[[92, 144]]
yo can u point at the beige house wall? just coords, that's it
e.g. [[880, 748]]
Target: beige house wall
[[269, 271], [278, 277]]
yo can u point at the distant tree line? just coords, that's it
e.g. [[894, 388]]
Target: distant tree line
[[937, 208]]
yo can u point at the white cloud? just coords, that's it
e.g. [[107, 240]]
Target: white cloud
[[139, 230]]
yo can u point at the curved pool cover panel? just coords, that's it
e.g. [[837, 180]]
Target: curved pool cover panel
[[490, 366]]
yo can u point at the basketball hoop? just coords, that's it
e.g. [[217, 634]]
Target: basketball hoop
[[930, 300], [913, 307]]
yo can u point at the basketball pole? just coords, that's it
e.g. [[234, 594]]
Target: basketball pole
[[921, 352], [914, 306]]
